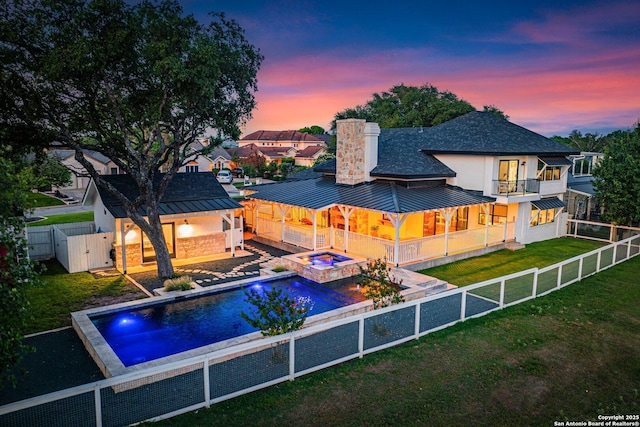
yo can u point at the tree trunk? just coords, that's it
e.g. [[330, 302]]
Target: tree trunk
[[156, 237]]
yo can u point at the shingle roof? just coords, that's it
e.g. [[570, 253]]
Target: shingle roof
[[377, 195], [481, 133], [310, 151], [186, 193]]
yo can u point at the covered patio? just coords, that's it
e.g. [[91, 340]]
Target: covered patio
[[377, 220]]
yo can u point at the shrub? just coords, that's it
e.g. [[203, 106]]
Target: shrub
[[378, 285], [182, 283], [279, 269], [276, 312]]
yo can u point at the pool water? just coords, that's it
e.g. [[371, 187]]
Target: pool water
[[324, 259], [141, 335]]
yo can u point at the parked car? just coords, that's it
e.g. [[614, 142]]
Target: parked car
[[224, 177], [237, 172]]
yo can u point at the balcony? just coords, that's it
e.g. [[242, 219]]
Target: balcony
[[520, 187]]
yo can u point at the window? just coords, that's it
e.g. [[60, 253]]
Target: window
[[192, 168], [582, 165], [114, 171], [435, 222], [548, 173], [541, 216], [497, 215]]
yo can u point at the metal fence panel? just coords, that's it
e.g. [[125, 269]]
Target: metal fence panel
[[476, 305], [153, 396], [570, 271], [440, 312], [388, 327], [606, 257], [78, 410], [249, 370], [518, 288], [589, 264], [547, 280], [326, 346]]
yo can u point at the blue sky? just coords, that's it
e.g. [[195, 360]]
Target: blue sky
[[551, 66]]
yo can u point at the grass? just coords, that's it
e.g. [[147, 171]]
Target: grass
[[503, 262], [39, 200], [569, 356], [62, 293], [84, 216]]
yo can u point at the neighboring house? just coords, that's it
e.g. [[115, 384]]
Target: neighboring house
[[221, 159], [304, 147], [414, 194], [79, 176], [580, 195], [270, 154], [196, 213]]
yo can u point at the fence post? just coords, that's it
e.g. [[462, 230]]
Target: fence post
[[628, 249], [207, 387], [559, 282], [598, 262], [580, 268], [535, 283], [361, 337], [417, 321], [502, 285], [292, 357], [611, 233], [463, 305], [98, 405]]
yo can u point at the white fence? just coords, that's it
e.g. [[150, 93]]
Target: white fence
[[599, 231], [76, 245], [184, 386]]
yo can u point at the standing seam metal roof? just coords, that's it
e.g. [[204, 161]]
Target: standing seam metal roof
[[383, 196]]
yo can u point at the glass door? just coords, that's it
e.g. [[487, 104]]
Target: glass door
[[149, 254], [508, 173]]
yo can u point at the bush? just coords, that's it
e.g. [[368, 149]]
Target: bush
[[378, 285], [276, 312], [279, 269], [182, 283]]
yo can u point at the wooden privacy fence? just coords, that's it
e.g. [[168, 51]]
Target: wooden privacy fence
[[76, 245], [172, 389]]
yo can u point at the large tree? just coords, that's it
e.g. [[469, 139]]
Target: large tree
[[411, 106], [617, 178], [16, 269], [137, 83], [589, 142]]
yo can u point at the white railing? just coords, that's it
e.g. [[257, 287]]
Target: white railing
[[299, 235], [424, 248], [599, 231], [201, 381]]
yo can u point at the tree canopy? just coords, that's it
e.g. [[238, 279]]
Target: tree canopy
[[589, 142], [411, 106], [617, 178], [138, 83], [314, 130]]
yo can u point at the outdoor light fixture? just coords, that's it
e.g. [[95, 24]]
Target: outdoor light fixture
[[130, 236], [186, 229]]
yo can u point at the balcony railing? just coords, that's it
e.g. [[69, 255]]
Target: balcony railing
[[518, 187]]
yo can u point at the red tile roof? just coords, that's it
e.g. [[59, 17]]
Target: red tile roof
[[281, 136]]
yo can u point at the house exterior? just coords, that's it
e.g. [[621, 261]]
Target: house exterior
[[580, 194], [198, 219], [79, 176], [415, 194], [218, 159], [276, 145]]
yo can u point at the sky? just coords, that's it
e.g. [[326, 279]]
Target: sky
[[551, 66]]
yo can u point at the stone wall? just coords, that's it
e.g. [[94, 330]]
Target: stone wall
[[133, 254], [356, 151], [195, 246]]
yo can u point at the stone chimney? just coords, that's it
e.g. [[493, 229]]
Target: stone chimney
[[356, 151]]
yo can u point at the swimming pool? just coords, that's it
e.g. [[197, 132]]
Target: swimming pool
[[139, 335]]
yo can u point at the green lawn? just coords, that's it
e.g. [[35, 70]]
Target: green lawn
[[39, 200], [62, 293], [85, 216], [569, 356], [504, 262]]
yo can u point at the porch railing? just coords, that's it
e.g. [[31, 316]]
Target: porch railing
[[298, 235], [518, 187]]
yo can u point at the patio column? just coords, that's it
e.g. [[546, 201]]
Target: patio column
[[124, 247], [346, 213], [397, 220], [486, 209], [448, 214], [255, 217], [228, 217], [283, 212], [314, 237]]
